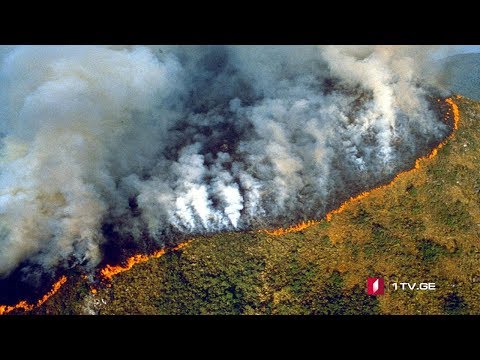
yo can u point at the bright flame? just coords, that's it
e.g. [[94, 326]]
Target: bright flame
[[25, 306], [456, 112], [294, 228], [110, 271]]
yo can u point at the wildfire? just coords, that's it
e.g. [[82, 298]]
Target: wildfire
[[110, 271], [418, 164], [456, 112], [294, 228], [25, 306]]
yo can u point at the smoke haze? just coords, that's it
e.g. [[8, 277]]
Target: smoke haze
[[142, 145]]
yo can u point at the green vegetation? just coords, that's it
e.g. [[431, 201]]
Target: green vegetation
[[424, 228]]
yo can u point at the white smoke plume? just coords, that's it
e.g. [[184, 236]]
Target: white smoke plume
[[142, 144]]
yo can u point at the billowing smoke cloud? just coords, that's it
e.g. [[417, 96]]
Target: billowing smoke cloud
[[103, 144]]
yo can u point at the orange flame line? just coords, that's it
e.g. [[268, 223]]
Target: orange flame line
[[418, 164], [110, 271], [25, 306], [294, 228]]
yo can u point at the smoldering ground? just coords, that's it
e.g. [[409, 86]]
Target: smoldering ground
[[125, 148]]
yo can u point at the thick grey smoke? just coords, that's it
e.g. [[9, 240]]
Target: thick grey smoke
[[154, 142]]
